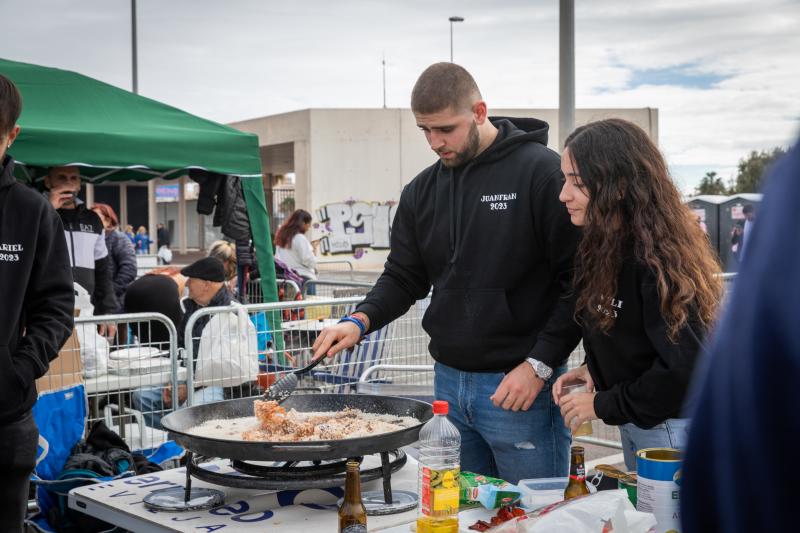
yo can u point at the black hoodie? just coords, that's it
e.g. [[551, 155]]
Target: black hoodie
[[495, 243], [640, 375], [38, 297]]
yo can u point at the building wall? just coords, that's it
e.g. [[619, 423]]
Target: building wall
[[351, 165]]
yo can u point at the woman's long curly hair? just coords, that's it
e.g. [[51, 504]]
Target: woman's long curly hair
[[294, 224], [635, 207]]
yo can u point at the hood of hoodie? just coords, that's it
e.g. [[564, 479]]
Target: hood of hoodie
[[7, 172], [511, 134]]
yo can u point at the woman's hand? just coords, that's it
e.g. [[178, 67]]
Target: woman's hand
[[577, 408], [575, 376]]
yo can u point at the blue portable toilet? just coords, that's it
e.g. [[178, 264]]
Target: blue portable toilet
[[706, 207], [731, 215]]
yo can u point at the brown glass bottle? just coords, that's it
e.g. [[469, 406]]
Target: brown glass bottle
[[577, 475], [352, 513]]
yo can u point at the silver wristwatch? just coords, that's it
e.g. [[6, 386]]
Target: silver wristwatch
[[539, 368]]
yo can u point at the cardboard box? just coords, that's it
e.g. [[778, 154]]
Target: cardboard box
[[66, 369]]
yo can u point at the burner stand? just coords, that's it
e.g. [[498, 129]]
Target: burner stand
[[289, 476]]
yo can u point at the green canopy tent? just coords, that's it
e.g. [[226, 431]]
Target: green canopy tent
[[115, 135]]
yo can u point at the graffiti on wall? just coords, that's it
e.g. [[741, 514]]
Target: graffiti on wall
[[353, 226]]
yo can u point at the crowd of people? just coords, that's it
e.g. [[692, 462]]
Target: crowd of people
[[528, 252]]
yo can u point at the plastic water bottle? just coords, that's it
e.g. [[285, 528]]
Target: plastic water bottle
[[439, 468]]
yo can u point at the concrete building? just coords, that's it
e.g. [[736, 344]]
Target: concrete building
[[350, 166]]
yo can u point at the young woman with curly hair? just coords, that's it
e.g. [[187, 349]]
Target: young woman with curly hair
[[646, 287]]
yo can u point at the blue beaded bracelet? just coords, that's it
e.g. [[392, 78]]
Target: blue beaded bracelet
[[355, 321]]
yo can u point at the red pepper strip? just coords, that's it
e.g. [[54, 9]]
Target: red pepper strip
[[480, 525]]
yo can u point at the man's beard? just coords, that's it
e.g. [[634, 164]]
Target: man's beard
[[470, 149]]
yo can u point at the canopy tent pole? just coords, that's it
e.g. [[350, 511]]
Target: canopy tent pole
[[253, 189], [182, 229], [123, 206], [152, 215]]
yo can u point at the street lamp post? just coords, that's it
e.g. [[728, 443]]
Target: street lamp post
[[452, 20]]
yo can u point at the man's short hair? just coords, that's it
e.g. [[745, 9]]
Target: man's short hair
[[10, 105], [748, 208], [443, 86]]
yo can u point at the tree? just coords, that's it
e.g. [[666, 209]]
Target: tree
[[752, 168], [711, 184]]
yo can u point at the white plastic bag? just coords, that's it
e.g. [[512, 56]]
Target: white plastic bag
[[83, 300], [228, 354], [94, 347], [165, 254], [94, 350], [590, 514]]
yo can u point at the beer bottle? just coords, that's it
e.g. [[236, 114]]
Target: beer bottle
[[577, 475], [352, 513]]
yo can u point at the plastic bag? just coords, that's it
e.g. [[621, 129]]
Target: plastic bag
[[228, 354], [94, 347], [94, 350], [165, 254], [595, 513]]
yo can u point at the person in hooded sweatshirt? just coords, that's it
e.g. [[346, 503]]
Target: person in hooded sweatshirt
[[647, 287], [483, 226], [36, 315]]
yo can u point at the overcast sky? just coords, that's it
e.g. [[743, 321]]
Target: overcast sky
[[724, 74]]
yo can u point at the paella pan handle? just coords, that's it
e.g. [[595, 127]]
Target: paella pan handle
[[303, 447]]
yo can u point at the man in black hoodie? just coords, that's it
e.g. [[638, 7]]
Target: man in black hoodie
[[483, 227], [36, 315]]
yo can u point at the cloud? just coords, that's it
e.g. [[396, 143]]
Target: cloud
[[723, 73]]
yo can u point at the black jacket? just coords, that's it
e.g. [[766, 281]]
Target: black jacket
[[36, 285], [89, 256], [497, 246], [121, 263], [154, 293], [640, 375]]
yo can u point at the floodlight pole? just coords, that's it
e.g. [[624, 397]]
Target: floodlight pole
[[452, 20], [383, 62], [134, 57], [566, 77]]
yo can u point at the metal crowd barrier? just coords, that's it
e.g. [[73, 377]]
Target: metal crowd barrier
[[254, 294], [278, 349], [317, 288], [336, 267], [141, 354], [394, 357]]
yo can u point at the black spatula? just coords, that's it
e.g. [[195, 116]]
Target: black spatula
[[284, 387]]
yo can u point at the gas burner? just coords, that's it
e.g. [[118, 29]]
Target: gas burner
[[287, 476], [292, 469]]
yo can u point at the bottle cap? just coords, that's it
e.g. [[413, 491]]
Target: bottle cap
[[440, 407]]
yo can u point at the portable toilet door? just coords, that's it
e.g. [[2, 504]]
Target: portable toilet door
[[731, 215], [706, 208]]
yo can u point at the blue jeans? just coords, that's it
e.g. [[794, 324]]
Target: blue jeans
[[671, 433], [505, 444], [149, 402]]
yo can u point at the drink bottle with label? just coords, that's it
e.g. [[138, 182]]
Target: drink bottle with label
[[577, 475], [352, 513], [439, 468]]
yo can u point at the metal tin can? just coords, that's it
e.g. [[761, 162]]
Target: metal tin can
[[658, 488]]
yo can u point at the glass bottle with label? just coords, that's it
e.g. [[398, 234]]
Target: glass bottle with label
[[352, 513], [439, 470], [577, 475]]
